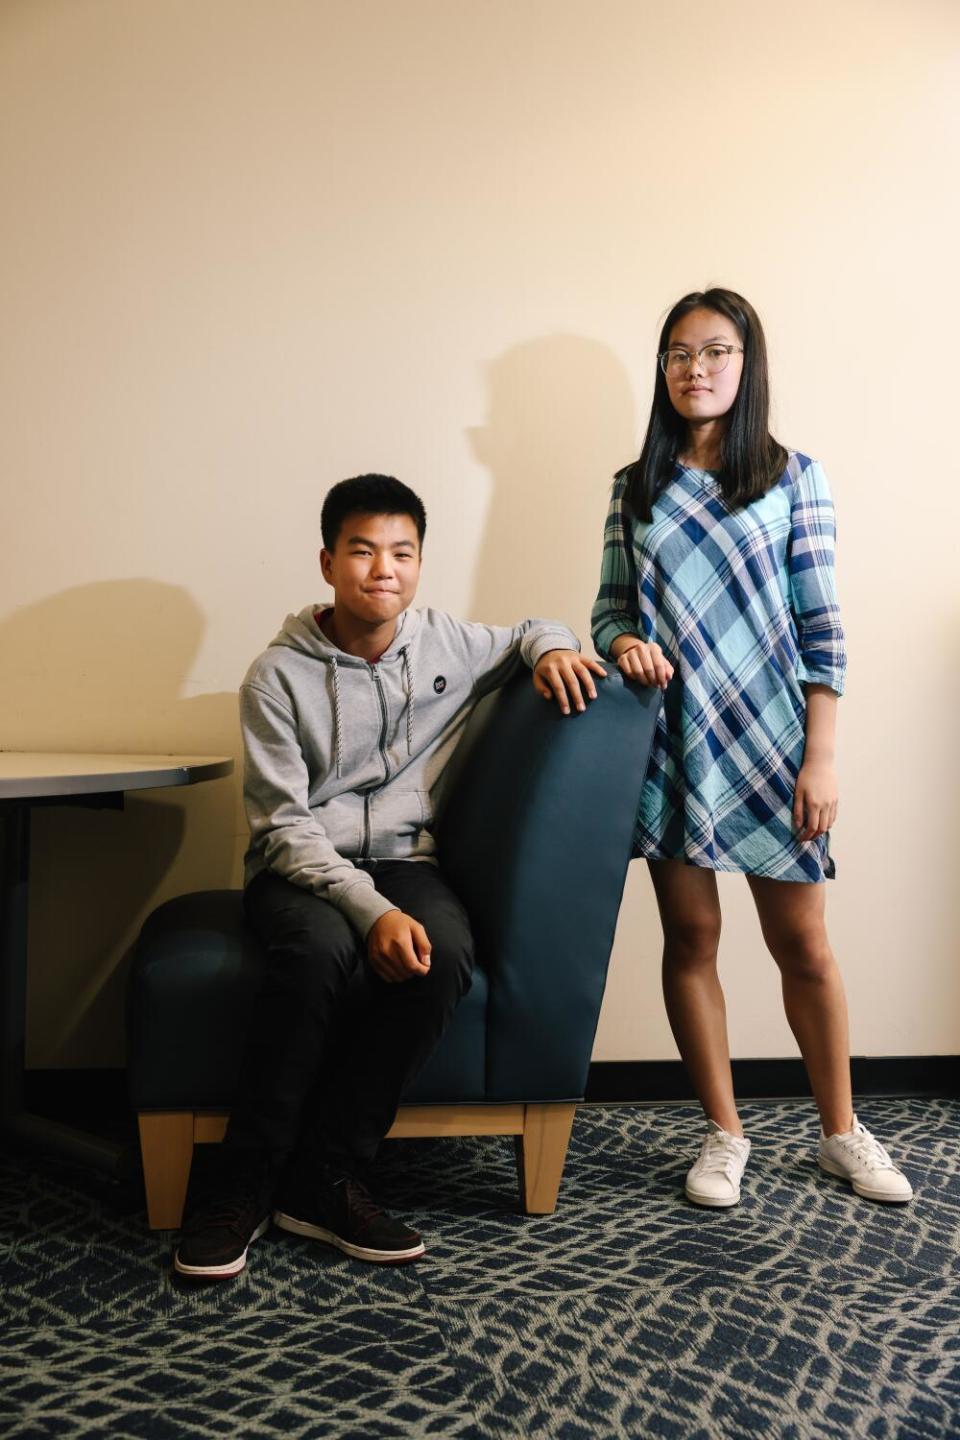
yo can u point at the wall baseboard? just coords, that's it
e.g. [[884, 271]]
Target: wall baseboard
[[75, 1095], [650, 1080]]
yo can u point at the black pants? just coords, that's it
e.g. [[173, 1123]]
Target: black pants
[[332, 1046]]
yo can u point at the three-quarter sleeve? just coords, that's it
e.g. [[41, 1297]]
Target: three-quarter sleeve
[[616, 610], [813, 595]]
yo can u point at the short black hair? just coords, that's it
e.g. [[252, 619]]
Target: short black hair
[[369, 495]]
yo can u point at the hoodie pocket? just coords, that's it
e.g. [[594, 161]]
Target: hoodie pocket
[[397, 819], [399, 811], [342, 819]]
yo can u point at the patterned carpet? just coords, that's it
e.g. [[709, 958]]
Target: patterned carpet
[[803, 1313]]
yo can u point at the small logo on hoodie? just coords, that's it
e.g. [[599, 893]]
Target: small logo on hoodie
[[440, 684]]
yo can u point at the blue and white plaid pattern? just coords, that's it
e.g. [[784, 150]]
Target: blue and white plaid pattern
[[743, 604]]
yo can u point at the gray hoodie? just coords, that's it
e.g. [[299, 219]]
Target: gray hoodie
[[342, 758]]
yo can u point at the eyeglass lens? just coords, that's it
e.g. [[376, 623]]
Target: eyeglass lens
[[713, 358]]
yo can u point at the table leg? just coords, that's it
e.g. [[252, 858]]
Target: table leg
[[14, 896], [14, 880]]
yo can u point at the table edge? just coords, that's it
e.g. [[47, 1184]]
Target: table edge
[[159, 778]]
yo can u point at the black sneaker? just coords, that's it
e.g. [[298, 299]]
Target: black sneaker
[[215, 1239], [343, 1213]]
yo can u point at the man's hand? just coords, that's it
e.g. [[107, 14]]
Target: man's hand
[[560, 674], [815, 800], [640, 661], [398, 947]]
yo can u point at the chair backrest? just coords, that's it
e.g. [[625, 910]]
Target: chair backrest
[[535, 836]]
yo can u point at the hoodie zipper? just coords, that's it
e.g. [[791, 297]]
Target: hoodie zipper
[[382, 745]]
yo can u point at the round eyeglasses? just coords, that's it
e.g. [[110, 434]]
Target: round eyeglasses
[[712, 358]]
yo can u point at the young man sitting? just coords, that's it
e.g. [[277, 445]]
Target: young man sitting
[[348, 719]]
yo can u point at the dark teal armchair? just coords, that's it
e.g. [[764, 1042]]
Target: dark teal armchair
[[534, 832]]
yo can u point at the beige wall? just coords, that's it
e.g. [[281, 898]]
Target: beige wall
[[252, 246]]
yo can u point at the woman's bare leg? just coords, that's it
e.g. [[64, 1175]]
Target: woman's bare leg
[[794, 928], [690, 914]]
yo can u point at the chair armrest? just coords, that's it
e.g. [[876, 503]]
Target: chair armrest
[[536, 837], [191, 993]]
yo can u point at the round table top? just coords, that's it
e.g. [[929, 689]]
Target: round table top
[[26, 775]]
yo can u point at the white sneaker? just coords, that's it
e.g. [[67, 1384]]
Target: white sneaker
[[715, 1178], [858, 1157]]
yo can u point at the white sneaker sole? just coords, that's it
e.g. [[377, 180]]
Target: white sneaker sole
[[220, 1272], [860, 1188], [356, 1252], [712, 1202]]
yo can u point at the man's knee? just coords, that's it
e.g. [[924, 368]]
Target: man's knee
[[310, 950], [451, 942], [441, 989], [451, 964]]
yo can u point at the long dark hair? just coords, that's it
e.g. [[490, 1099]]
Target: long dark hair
[[751, 459]]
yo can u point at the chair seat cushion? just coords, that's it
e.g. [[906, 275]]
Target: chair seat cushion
[[191, 999]]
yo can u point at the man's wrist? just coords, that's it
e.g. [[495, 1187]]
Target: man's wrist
[[363, 907], [391, 909], [554, 639]]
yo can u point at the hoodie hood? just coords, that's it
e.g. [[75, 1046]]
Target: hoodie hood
[[302, 633]]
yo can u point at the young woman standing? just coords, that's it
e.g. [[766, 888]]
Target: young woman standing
[[717, 586]]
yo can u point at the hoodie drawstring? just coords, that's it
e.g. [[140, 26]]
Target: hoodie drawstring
[[337, 716], [408, 676]]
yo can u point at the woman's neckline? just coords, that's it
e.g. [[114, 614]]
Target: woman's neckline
[[699, 469]]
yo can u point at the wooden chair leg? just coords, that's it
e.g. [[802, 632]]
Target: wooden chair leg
[[166, 1146], [541, 1152], [167, 1140]]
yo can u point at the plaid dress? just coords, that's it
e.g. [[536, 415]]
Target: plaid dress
[[743, 604]]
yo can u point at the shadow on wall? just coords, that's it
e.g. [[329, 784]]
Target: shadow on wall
[[102, 668], [560, 421]]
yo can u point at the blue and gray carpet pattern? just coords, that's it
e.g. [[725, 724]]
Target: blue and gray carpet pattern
[[804, 1312]]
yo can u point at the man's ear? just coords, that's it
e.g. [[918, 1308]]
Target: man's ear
[[325, 566]]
